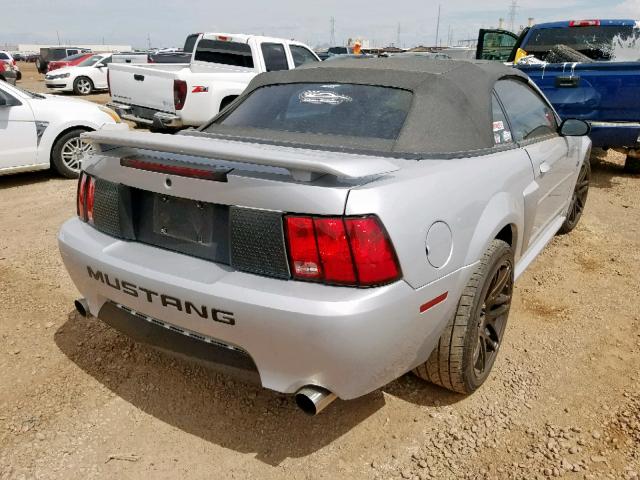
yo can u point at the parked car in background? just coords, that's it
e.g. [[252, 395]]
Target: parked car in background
[[589, 69], [7, 57], [85, 78], [333, 228], [69, 61], [7, 72], [49, 54], [174, 96], [43, 131]]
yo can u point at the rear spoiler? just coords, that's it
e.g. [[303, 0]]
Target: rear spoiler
[[304, 164]]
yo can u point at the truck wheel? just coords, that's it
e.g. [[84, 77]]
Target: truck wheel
[[632, 164], [67, 153], [562, 53], [82, 86], [468, 347], [578, 199]]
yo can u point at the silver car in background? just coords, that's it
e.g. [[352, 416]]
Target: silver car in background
[[335, 227]]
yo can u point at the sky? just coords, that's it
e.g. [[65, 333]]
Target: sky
[[166, 23]]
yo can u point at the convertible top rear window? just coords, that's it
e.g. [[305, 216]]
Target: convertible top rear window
[[324, 108]]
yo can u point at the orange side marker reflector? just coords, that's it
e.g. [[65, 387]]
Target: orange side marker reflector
[[434, 302]]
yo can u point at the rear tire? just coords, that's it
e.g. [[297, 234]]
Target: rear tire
[[467, 349], [82, 86], [578, 199], [632, 164], [67, 153]]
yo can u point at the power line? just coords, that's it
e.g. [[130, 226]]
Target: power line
[[332, 40], [438, 26], [513, 11]]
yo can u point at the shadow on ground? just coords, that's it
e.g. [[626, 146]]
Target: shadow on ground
[[605, 168], [27, 178], [216, 408]]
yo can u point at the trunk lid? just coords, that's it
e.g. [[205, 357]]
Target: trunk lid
[[219, 200], [148, 85]]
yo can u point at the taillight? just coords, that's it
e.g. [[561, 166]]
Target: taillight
[[179, 93], [584, 23], [303, 248], [340, 250], [86, 195]]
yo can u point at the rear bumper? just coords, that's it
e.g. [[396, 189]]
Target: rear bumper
[[615, 134], [349, 341], [147, 116]]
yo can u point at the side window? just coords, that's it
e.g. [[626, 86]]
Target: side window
[[107, 60], [530, 115], [500, 126], [274, 57], [301, 55], [72, 52]]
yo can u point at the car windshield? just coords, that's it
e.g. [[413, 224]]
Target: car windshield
[[324, 108], [4, 56], [90, 61], [224, 52], [600, 43]]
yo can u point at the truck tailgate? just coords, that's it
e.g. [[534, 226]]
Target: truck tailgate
[[598, 91], [149, 86]]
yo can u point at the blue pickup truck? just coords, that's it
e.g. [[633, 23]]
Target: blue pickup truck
[[589, 69]]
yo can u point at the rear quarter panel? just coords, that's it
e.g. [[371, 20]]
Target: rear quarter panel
[[476, 197]]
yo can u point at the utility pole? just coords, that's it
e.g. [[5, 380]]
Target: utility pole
[[58, 34], [438, 27], [398, 37], [149, 40], [332, 39], [449, 37], [513, 11]]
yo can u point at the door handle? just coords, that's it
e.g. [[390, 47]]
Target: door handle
[[138, 77], [544, 168], [568, 82]]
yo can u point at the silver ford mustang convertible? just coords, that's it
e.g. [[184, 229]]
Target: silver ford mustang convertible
[[335, 227]]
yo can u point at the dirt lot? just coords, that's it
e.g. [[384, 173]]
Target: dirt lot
[[79, 401]]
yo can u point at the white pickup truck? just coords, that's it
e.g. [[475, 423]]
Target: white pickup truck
[[175, 96]]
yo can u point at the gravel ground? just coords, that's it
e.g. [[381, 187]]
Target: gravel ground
[[79, 401]]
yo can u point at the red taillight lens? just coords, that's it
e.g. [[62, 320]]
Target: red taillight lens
[[82, 192], [333, 247], [373, 253], [344, 251], [86, 195], [303, 249], [179, 93]]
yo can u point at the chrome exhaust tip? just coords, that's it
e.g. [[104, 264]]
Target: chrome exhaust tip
[[82, 307], [312, 399]]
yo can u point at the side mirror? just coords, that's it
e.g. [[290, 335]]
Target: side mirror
[[574, 128]]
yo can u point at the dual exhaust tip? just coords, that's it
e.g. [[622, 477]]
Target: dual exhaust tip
[[310, 399]]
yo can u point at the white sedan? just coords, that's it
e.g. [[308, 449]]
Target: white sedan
[[42, 131], [82, 79]]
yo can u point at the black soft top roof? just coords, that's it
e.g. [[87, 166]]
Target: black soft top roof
[[450, 111]]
